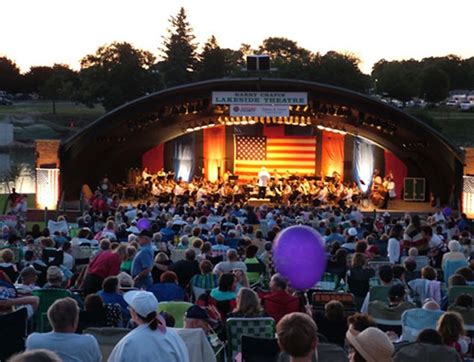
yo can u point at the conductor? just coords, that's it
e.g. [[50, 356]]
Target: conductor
[[263, 178]]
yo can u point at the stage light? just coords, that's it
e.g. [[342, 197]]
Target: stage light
[[252, 120], [305, 109], [308, 121], [320, 127], [189, 129]]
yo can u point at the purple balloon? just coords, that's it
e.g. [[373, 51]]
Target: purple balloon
[[298, 253], [143, 224]]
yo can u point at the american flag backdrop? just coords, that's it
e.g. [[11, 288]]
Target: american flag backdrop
[[47, 187], [294, 154]]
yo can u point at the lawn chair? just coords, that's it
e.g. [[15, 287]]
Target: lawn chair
[[457, 290], [13, 332], [107, 338], [257, 349], [255, 327], [320, 298], [176, 309], [47, 298], [379, 293], [415, 320]]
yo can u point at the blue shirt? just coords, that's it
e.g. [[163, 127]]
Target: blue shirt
[[112, 298], [166, 292], [70, 347], [142, 261]]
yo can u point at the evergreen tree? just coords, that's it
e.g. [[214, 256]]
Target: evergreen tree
[[216, 62], [9, 75], [179, 63]]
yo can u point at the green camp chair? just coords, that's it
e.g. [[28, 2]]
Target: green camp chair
[[176, 309], [457, 290], [379, 293], [47, 298], [254, 327]]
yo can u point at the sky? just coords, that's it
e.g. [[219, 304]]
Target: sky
[[44, 32]]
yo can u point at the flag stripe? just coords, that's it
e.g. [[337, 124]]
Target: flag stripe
[[296, 155]]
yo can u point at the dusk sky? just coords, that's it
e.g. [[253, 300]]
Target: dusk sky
[[45, 32]]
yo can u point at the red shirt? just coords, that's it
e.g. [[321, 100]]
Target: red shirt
[[105, 264], [280, 303]]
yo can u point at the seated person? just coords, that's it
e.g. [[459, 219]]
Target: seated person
[[224, 296], [278, 302], [395, 308], [297, 337], [63, 315], [93, 315], [168, 289], [28, 278], [7, 265], [332, 323], [370, 345], [248, 305], [110, 294]]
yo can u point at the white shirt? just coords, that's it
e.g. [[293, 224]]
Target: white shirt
[[435, 241], [263, 178], [68, 261], [143, 344], [393, 250]]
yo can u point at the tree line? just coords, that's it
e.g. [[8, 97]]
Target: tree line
[[119, 72]]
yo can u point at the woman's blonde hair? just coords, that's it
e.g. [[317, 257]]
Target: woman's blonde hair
[[248, 303]]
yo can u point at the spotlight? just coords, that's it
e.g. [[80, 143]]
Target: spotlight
[[252, 120]]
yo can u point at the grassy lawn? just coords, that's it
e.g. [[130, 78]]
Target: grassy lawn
[[40, 108], [457, 126]]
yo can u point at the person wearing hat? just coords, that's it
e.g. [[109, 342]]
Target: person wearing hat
[[151, 340], [28, 278], [143, 261], [371, 345], [197, 317]]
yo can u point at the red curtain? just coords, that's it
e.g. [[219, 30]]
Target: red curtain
[[274, 131], [333, 154], [214, 152], [397, 167], [154, 159]]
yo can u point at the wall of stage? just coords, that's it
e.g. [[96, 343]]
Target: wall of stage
[[210, 152]]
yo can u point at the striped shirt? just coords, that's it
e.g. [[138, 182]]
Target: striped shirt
[[205, 281]]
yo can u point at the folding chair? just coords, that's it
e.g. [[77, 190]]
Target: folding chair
[[457, 290], [320, 298], [107, 338], [13, 332], [255, 327], [257, 349], [47, 298], [176, 309], [379, 293], [415, 320], [415, 352]]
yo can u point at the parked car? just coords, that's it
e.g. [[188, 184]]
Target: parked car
[[466, 106]]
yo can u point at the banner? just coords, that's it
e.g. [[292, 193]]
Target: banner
[[260, 98], [259, 111]]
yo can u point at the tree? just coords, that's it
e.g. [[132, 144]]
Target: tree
[[396, 79], [115, 74], [36, 77], [434, 84], [341, 70], [10, 78], [179, 50], [216, 62], [61, 85]]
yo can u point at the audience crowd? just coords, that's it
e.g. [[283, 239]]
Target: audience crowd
[[395, 287]]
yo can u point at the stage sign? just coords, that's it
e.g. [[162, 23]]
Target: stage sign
[[260, 98], [238, 110]]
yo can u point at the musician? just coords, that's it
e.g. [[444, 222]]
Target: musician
[[389, 185], [263, 179]]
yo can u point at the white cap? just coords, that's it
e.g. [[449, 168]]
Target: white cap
[[352, 232], [142, 302]]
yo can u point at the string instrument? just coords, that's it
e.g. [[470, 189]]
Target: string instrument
[[378, 194]]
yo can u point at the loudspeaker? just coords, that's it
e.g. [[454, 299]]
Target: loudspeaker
[[258, 62], [414, 189]]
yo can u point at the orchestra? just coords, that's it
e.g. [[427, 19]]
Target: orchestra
[[282, 188]]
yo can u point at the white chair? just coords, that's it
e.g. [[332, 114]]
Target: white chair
[[198, 345]]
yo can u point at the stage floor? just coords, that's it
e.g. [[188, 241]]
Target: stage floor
[[400, 207]]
